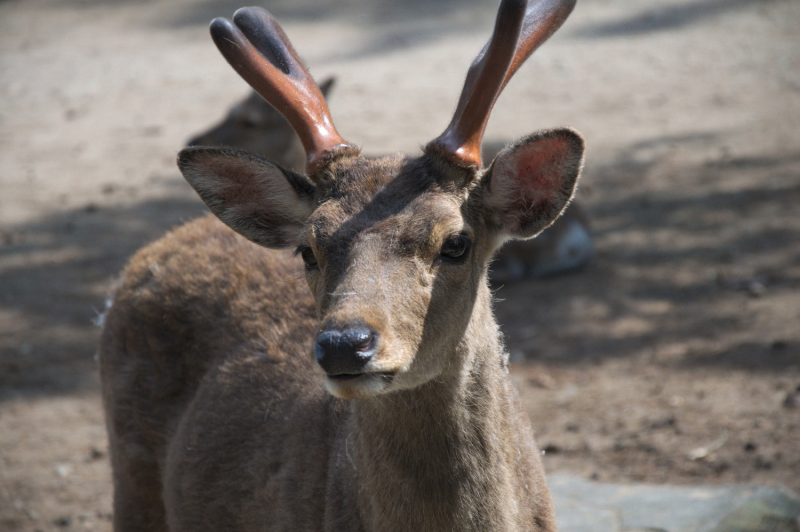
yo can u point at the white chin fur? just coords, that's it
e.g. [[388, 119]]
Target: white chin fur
[[362, 387]]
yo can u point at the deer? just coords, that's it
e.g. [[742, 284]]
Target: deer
[[255, 126], [320, 352]]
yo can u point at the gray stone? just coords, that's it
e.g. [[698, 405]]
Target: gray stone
[[587, 519], [584, 506]]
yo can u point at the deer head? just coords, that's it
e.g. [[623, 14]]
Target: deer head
[[395, 249]]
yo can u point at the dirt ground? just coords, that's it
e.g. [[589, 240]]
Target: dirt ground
[[674, 357]]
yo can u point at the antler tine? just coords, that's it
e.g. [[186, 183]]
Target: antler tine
[[256, 47], [542, 19], [519, 30]]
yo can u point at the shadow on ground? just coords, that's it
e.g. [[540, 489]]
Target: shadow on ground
[[675, 271], [667, 18], [54, 276]]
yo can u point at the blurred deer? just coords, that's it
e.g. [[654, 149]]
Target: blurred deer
[[255, 126], [380, 401]]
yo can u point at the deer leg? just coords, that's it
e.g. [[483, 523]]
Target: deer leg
[[138, 504]]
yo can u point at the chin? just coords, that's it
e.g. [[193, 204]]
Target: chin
[[359, 386]]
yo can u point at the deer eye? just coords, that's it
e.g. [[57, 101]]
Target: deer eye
[[456, 248], [308, 256]]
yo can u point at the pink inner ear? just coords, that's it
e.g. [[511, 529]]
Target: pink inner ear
[[539, 170], [528, 182], [532, 181]]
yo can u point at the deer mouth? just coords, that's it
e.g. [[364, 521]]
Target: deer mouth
[[385, 376]]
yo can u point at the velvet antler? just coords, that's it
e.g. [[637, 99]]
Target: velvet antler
[[518, 31], [256, 47]]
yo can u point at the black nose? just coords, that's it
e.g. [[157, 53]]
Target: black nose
[[345, 351]]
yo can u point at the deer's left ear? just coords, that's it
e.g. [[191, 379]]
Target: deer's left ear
[[529, 183]]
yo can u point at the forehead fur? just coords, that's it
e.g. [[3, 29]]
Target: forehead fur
[[389, 180], [385, 195]]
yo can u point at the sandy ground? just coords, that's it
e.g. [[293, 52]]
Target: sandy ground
[[684, 332]]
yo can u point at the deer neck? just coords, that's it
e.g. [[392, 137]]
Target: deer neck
[[439, 455]]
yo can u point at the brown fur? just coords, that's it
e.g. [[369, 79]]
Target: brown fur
[[220, 419]]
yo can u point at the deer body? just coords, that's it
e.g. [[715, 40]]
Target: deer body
[[380, 401], [224, 421]]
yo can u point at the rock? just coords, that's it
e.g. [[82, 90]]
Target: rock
[[589, 506]]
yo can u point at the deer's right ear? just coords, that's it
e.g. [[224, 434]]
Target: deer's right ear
[[255, 198], [531, 182]]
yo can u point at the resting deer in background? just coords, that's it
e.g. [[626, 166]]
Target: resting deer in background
[[255, 126], [381, 401]]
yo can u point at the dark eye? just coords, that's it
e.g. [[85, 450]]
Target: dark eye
[[456, 247], [308, 256]]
